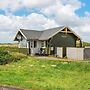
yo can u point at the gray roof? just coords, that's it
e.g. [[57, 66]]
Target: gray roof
[[42, 35], [49, 32], [31, 34]]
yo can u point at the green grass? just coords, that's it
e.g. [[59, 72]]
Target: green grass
[[9, 48], [35, 74]]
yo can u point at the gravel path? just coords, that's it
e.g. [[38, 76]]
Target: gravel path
[[48, 58], [59, 59]]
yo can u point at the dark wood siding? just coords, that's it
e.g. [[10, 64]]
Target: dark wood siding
[[63, 40]]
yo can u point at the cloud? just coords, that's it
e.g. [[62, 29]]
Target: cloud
[[13, 5], [52, 13], [50, 24], [64, 14], [6, 37], [38, 3], [9, 25]]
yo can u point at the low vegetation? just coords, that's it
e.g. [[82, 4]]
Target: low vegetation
[[35, 74], [85, 44], [10, 54], [41, 74]]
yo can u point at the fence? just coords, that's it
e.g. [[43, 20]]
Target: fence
[[59, 52], [75, 53], [78, 53], [87, 53]]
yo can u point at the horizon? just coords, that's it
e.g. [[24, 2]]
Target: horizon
[[37, 14]]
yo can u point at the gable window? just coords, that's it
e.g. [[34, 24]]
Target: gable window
[[35, 44]]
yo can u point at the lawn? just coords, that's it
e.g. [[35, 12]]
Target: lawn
[[40, 74]]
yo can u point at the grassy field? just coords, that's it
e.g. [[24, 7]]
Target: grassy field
[[35, 74]]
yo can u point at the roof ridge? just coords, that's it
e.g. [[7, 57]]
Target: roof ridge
[[44, 29], [54, 28], [30, 30]]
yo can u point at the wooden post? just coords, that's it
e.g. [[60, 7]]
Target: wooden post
[[81, 43], [66, 30]]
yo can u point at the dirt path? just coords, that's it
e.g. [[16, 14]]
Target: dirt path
[[47, 58], [59, 59]]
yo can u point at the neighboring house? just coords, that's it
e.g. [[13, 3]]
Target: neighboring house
[[34, 41]]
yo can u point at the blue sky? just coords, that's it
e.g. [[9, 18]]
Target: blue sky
[[85, 8], [39, 14]]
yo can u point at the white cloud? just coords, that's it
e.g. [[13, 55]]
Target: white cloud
[[64, 14], [50, 24], [13, 5], [87, 14], [37, 3], [53, 13], [9, 25], [6, 37]]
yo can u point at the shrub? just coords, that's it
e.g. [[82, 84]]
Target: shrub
[[7, 57]]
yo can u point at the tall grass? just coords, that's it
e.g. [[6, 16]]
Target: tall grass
[[9, 49], [35, 74], [41, 74]]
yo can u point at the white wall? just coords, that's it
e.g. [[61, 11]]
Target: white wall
[[59, 52], [24, 44], [38, 44], [75, 53], [36, 49]]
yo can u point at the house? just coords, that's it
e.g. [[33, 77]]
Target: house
[[46, 41]]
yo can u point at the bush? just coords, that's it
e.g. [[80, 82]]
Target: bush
[[7, 57]]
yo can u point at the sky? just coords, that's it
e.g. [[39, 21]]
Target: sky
[[43, 14]]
